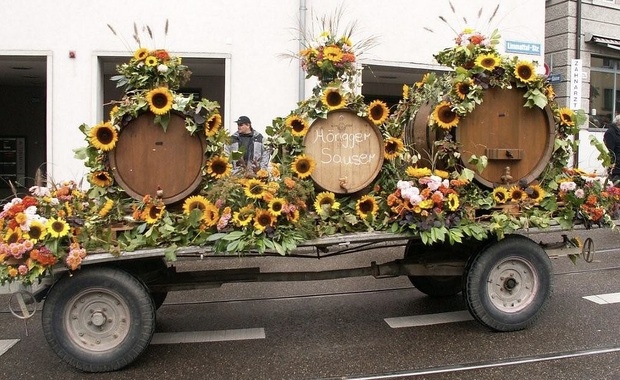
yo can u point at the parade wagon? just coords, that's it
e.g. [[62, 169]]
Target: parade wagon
[[458, 173]]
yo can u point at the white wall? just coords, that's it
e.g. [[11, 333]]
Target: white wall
[[255, 34]]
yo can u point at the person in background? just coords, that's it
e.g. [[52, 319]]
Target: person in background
[[611, 138], [247, 144]]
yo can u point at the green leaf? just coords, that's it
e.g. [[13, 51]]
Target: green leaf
[[233, 246], [170, 253]]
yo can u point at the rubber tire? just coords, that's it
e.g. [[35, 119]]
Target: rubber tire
[[433, 286], [499, 259], [148, 271], [102, 288]]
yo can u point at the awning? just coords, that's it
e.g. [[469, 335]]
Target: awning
[[612, 43]]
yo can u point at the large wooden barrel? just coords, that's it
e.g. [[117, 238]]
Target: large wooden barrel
[[147, 158], [517, 141], [348, 151]]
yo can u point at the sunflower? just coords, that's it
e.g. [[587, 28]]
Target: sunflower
[[298, 126], [422, 82], [406, 90], [393, 147], [150, 61], [293, 216], [101, 178], [463, 88], [365, 206], [566, 117], [535, 193], [211, 215], [219, 167], [13, 235], [453, 201], [326, 198], [441, 173], [103, 136], [160, 100], [37, 231], [195, 202], [153, 213], [418, 172], [254, 188], [243, 217], [213, 124], [549, 92], [263, 219], [332, 99], [525, 72], [488, 61], [57, 227], [500, 194], [107, 207], [444, 116], [378, 112], [517, 194], [141, 54], [276, 205], [303, 166], [332, 53]]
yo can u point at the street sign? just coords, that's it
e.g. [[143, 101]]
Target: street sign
[[554, 78]]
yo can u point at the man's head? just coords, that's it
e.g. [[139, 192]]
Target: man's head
[[244, 124]]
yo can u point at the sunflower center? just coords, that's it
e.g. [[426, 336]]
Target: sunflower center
[[57, 226], [376, 112], [366, 207], [256, 189], [154, 212], [391, 147], [488, 62], [297, 126], [13, 238], [464, 88], [219, 167], [105, 135], [525, 72], [197, 205], [302, 166], [35, 232], [446, 115], [264, 219], [333, 98], [160, 100], [277, 206]]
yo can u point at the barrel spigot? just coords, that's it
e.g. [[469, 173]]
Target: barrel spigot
[[506, 178], [344, 184]]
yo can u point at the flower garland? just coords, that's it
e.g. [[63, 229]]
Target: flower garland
[[278, 208]]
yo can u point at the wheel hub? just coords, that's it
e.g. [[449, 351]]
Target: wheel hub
[[512, 284], [97, 319]]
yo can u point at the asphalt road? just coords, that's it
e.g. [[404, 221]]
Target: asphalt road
[[341, 329]]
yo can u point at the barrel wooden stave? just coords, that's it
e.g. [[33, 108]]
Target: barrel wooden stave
[[348, 151], [147, 158], [517, 141]]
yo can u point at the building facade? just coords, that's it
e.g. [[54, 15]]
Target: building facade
[[57, 58], [582, 50]]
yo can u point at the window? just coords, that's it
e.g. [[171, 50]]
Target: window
[[604, 91]]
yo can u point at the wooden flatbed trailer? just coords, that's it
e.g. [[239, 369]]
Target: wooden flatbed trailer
[[102, 316]]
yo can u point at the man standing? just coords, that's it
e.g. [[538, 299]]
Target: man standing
[[247, 144], [611, 138]]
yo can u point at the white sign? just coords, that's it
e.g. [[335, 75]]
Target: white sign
[[575, 84]]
